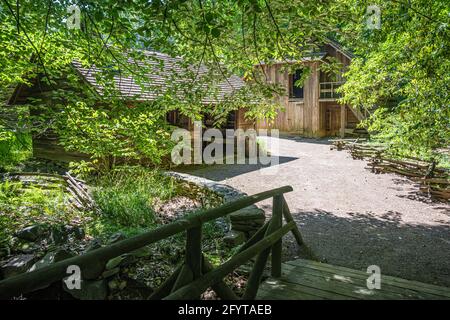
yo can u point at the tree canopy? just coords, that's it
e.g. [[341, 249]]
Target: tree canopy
[[400, 70], [402, 74]]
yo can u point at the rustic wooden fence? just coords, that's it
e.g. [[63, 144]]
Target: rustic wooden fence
[[195, 275], [433, 180], [76, 188]]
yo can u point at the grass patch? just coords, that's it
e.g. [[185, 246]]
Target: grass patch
[[126, 196], [22, 206], [126, 199]]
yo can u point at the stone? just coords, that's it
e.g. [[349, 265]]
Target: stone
[[114, 262], [248, 220], [77, 232], [90, 290], [143, 252], [251, 233], [31, 233], [136, 290], [5, 251], [116, 237], [17, 265], [122, 285], [93, 245], [110, 273], [243, 228], [116, 284], [113, 285], [128, 259], [59, 235], [234, 238], [249, 213], [50, 258], [250, 223], [26, 247]]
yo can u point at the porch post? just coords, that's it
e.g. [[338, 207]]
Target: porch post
[[343, 120]]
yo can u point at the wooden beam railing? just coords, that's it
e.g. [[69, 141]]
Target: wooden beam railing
[[195, 274]]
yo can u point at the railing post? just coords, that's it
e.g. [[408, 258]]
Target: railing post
[[220, 288], [277, 216], [260, 263], [288, 217], [194, 250]]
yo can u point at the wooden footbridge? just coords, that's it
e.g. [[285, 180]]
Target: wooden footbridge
[[310, 280], [300, 279]]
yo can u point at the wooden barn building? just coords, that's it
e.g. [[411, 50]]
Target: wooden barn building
[[46, 145], [312, 110]]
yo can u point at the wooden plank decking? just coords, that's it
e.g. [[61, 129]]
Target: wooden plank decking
[[310, 280]]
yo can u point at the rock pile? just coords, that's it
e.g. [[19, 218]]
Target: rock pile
[[48, 246], [243, 223]]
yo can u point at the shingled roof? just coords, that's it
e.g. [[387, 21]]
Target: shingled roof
[[165, 71]]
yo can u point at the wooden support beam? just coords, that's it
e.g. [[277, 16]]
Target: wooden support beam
[[343, 120], [184, 278], [199, 286], [255, 276], [194, 250], [220, 288], [92, 263], [166, 287], [277, 221], [260, 263], [256, 237], [288, 217]]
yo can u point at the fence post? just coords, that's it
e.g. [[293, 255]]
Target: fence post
[[277, 216]]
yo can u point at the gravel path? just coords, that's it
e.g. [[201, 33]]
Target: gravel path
[[349, 216]]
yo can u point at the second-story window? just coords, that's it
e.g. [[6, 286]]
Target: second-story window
[[295, 91]]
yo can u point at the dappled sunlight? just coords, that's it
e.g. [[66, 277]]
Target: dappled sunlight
[[357, 240]]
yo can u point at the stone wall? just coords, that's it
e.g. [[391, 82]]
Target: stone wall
[[243, 223]]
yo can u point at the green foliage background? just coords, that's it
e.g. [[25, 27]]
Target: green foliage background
[[402, 69], [402, 74]]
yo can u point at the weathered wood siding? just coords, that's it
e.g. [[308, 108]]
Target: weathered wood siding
[[310, 116], [47, 147], [303, 116], [332, 119], [45, 144], [241, 122]]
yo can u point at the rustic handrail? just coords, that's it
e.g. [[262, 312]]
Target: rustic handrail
[[200, 285], [92, 263]]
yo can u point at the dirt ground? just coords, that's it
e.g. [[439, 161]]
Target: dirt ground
[[347, 215]]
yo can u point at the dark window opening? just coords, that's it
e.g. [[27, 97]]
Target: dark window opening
[[295, 91]]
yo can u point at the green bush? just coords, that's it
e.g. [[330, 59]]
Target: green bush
[[14, 148]]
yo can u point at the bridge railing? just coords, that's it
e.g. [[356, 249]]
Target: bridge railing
[[195, 274]]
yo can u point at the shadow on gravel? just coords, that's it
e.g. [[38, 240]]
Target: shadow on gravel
[[415, 252], [221, 172], [323, 141]]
